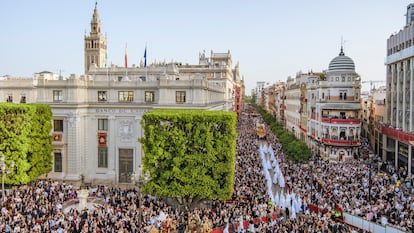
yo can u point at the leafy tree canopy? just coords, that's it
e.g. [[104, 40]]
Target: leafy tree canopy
[[25, 139], [190, 154]]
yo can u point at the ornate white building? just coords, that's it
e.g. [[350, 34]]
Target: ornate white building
[[337, 106], [96, 117], [322, 109]]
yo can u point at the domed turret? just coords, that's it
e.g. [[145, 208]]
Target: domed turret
[[342, 63]]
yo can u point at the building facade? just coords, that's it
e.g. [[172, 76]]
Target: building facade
[[321, 109], [377, 117], [96, 117], [336, 105], [293, 92], [259, 93], [398, 131], [273, 99]]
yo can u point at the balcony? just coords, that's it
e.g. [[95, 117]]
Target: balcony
[[341, 142], [350, 121], [399, 135]]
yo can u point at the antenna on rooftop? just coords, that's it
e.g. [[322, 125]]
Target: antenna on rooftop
[[60, 73]]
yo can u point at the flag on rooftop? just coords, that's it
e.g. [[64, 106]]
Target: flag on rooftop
[[145, 57]]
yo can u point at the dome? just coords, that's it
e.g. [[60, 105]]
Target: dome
[[341, 63]]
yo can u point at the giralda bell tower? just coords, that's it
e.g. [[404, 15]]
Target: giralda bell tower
[[95, 44]]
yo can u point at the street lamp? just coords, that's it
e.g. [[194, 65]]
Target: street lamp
[[312, 183], [140, 179], [134, 178], [319, 148], [370, 182], [369, 162], [4, 170]]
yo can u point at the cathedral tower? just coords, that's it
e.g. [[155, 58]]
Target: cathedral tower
[[95, 44]]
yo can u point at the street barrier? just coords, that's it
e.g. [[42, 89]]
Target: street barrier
[[368, 225]]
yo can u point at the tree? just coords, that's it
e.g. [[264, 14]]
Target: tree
[[24, 136], [248, 99], [190, 154], [40, 150]]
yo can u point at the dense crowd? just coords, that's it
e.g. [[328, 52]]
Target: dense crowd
[[40, 207], [378, 193], [347, 184]]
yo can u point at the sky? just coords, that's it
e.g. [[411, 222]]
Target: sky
[[271, 39]]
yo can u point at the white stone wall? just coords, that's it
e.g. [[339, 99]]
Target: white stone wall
[[80, 111]]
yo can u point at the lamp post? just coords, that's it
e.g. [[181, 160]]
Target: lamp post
[[134, 178], [370, 182], [369, 162], [137, 178], [311, 175], [4, 170], [319, 149]]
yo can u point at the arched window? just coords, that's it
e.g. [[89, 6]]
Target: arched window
[[335, 134], [327, 132], [351, 134], [342, 134]]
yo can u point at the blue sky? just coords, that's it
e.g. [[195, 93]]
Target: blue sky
[[271, 39]]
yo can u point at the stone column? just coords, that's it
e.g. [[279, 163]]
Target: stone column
[[140, 133], [396, 155], [411, 89], [74, 146], [410, 148], [111, 142]]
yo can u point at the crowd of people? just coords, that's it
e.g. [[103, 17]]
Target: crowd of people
[[41, 206], [348, 184], [378, 193]]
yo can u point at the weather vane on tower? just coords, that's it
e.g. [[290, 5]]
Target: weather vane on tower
[[342, 45]]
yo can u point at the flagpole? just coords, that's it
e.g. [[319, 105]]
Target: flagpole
[[107, 73], [106, 60], [126, 62], [145, 62]]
